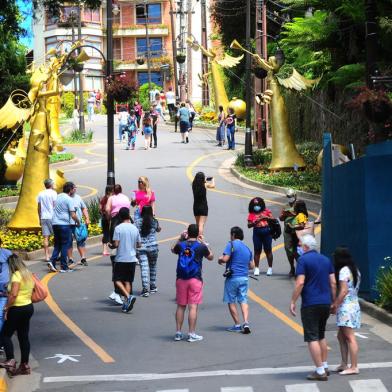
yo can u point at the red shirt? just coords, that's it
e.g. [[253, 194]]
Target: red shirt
[[253, 217]]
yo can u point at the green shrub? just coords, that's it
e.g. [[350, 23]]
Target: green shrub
[[384, 286], [67, 156], [144, 96], [68, 103], [77, 136], [93, 208], [10, 191], [310, 152], [5, 216]]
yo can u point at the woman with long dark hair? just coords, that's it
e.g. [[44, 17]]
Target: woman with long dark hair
[[348, 311], [258, 218], [17, 313], [105, 221], [200, 206], [148, 226]]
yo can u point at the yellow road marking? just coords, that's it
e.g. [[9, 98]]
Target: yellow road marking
[[93, 191], [86, 167]]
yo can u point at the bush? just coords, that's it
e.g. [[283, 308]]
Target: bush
[[93, 208], [94, 229], [77, 136], [384, 287], [144, 96], [68, 103], [10, 191], [208, 114], [5, 216], [67, 156], [23, 240]]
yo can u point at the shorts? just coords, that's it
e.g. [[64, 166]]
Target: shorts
[[147, 131], [47, 228], [189, 291], [236, 290], [79, 244], [123, 272], [314, 320], [184, 126], [262, 239]]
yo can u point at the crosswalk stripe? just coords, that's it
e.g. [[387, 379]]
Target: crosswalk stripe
[[374, 385], [237, 389], [174, 390], [302, 388]]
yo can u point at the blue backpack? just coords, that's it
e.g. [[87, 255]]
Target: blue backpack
[[187, 266]]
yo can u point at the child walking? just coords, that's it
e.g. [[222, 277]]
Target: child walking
[[147, 129], [132, 130]]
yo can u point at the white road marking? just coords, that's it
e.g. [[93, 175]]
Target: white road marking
[[368, 386], [361, 335], [174, 390], [64, 357], [213, 373], [302, 388], [237, 389]]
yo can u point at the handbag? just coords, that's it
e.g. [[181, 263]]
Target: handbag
[[228, 271], [40, 292], [81, 232]]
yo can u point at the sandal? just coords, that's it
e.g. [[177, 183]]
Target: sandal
[[340, 368], [9, 365], [349, 372]]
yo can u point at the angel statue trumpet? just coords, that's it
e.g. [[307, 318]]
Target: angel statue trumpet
[[284, 152], [226, 61], [44, 84]]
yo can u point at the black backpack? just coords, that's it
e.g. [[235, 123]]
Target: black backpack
[[275, 229]]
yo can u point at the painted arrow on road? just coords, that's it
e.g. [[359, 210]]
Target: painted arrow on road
[[64, 357]]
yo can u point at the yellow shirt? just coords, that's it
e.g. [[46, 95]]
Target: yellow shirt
[[301, 218], [25, 289]]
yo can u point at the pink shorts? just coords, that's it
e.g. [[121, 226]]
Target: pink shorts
[[189, 292]]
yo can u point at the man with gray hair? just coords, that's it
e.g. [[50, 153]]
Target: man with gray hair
[[46, 200], [315, 282]]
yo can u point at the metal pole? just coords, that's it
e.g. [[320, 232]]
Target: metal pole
[[371, 43], [248, 158], [174, 45], [82, 128], [204, 59], [109, 98], [265, 55], [75, 83], [148, 49], [258, 83], [189, 51]]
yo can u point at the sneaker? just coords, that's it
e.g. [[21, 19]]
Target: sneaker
[[129, 303], [245, 328], [178, 336], [84, 262], [234, 328], [145, 293], [51, 267], [187, 139], [192, 337], [317, 377], [70, 262], [269, 271], [112, 296], [153, 289], [118, 300], [256, 271], [63, 271]]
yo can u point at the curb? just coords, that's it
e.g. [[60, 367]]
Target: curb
[[78, 144], [40, 254], [8, 199], [69, 161], [3, 380], [279, 189], [376, 312]]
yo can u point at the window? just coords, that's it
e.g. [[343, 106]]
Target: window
[[155, 47], [154, 14], [117, 49], [90, 15], [156, 77]]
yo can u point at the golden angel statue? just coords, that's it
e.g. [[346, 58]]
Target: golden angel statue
[[216, 61], [33, 106], [284, 151]]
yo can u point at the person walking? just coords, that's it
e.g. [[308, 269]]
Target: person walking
[[143, 196], [113, 206], [147, 129], [184, 115], [123, 120], [46, 200], [83, 217], [192, 113], [258, 219], [348, 311], [220, 131], [154, 118], [64, 211], [90, 106], [316, 283], [230, 129], [176, 116], [126, 239], [300, 225], [105, 220], [171, 102], [17, 314], [238, 259], [189, 283], [287, 216], [138, 112], [159, 105], [132, 130], [200, 206], [98, 100], [147, 254]]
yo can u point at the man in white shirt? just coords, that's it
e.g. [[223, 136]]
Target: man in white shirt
[[171, 101], [46, 201], [153, 94]]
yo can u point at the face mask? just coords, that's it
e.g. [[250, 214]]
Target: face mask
[[300, 250], [291, 199], [256, 208]]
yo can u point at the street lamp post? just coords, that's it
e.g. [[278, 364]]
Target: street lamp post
[[82, 127], [148, 49]]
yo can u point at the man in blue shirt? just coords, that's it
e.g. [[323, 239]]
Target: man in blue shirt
[[316, 283], [238, 260]]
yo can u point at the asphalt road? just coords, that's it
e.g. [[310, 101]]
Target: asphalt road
[[113, 351]]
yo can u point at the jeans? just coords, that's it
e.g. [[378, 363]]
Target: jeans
[[18, 319], [3, 302], [230, 137], [90, 112], [148, 267], [154, 136], [62, 239], [121, 129]]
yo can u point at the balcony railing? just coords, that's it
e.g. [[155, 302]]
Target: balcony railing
[[140, 30]]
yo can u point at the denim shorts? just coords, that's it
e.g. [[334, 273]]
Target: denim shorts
[[47, 228], [236, 290], [262, 239]]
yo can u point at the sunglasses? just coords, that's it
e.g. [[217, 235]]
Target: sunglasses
[[140, 182]]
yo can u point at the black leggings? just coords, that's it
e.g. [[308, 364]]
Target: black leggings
[[18, 319], [154, 136]]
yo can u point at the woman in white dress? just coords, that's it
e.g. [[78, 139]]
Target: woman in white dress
[[348, 311]]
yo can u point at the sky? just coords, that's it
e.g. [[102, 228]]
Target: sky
[[26, 11]]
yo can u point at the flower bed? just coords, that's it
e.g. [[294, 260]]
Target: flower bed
[[67, 156]]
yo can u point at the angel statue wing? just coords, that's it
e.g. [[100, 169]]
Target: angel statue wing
[[228, 61], [297, 82], [16, 110]]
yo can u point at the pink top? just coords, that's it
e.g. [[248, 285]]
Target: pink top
[[142, 199], [253, 217], [119, 201]]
